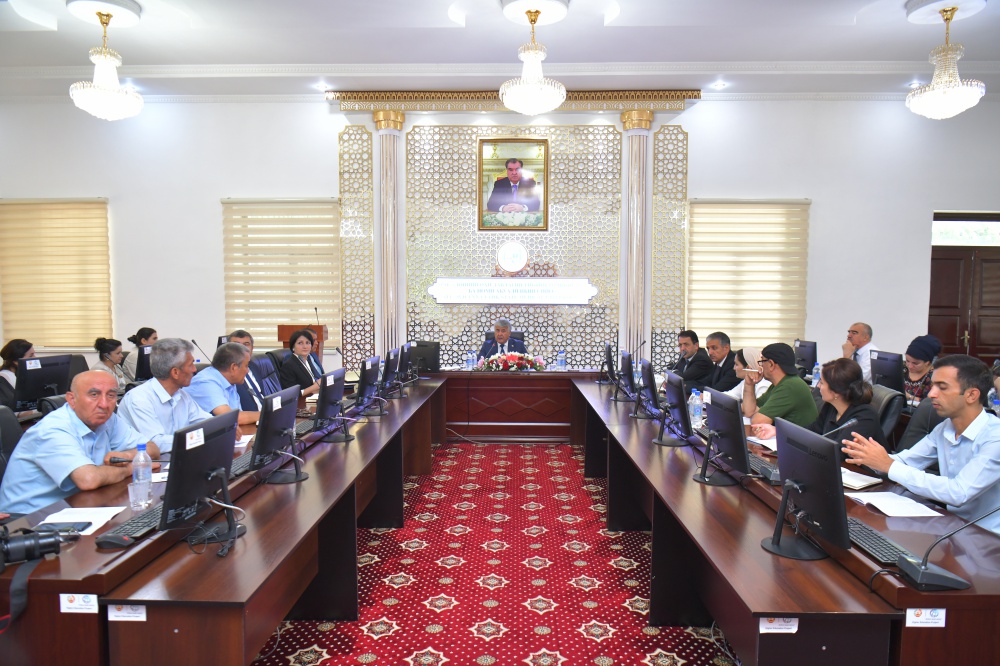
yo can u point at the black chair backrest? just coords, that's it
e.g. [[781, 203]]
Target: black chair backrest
[[265, 372], [77, 364], [46, 405], [278, 356], [198, 367], [490, 335], [889, 405], [10, 435]]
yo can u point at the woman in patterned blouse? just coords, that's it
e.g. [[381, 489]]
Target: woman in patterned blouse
[[919, 359]]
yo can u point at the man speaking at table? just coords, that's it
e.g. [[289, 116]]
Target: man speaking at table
[[502, 343]]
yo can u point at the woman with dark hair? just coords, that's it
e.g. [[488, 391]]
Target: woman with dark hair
[[300, 368], [846, 395], [11, 353], [109, 358], [145, 336], [920, 357]]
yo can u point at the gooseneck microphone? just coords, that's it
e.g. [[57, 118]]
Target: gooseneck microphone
[[929, 577], [316, 310], [207, 357], [850, 423], [641, 345]]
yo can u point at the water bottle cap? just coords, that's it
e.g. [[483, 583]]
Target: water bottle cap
[[141, 447]]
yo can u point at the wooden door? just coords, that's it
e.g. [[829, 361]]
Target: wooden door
[[965, 300]]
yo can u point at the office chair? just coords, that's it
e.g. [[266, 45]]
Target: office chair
[[10, 435], [889, 405], [51, 404], [78, 364]]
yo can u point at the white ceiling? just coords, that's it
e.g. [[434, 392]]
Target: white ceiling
[[776, 48]]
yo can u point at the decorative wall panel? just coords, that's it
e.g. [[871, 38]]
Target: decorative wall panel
[[357, 248], [669, 270], [584, 191]]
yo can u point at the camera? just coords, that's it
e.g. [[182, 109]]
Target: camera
[[24, 547]]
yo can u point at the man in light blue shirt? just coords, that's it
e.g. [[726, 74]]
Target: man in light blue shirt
[[214, 388], [159, 407], [70, 449], [966, 446]]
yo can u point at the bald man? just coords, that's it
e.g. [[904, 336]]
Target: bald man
[[70, 449], [859, 346]]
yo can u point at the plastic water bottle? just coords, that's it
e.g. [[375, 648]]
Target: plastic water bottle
[[561, 361], [695, 408], [816, 371], [142, 474], [470, 360], [996, 404]]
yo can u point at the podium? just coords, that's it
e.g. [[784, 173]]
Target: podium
[[319, 331]]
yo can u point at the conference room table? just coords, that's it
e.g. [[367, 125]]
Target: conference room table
[[298, 558], [708, 565]]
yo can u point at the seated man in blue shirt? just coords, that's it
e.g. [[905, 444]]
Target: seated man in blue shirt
[[159, 407], [214, 388], [966, 445], [70, 449], [502, 343]]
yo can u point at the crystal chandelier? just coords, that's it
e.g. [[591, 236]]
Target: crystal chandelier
[[104, 97], [532, 93], [946, 95]]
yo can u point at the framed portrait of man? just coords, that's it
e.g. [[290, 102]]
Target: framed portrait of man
[[513, 176]]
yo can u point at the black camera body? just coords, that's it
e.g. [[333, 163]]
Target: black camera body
[[24, 547]]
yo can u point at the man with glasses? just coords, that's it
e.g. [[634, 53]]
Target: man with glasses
[[859, 346], [789, 396]]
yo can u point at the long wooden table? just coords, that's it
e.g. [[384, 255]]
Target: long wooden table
[[272, 572], [708, 564]]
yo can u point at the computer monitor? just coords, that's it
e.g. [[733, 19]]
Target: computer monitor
[[647, 405], [200, 461], [142, 371], [404, 366], [609, 363], [726, 435], [425, 355], [805, 354], [626, 380], [276, 431], [40, 377], [223, 339], [330, 407], [675, 412], [887, 370], [367, 390], [390, 374], [809, 465]]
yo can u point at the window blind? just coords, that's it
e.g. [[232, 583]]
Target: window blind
[[282, 262], [55, 275], [747, 270]]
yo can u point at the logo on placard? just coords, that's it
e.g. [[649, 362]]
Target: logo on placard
[[71, 599], [770, 620], [917, 613], [935, 612], [119, 608]]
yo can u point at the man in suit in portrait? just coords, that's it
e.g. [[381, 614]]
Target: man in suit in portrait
[[513, 194], [502, 343]]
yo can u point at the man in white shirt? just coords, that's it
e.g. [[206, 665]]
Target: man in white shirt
[[859, 346]]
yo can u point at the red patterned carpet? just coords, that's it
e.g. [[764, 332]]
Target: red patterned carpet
[[503, 559]]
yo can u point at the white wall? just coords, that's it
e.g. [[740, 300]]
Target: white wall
[[874, 171]]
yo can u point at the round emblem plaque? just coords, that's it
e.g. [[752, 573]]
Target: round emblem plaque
[[512, 256]]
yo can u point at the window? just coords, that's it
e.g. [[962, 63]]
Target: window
[[747, 270], [55, 275], [964, 229], [282, 264]]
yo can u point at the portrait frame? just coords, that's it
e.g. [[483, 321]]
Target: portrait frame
[[528, 208]]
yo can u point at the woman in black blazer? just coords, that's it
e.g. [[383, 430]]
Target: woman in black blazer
[[299, 368]]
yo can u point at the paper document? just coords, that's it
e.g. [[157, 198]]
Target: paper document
[[98, 515], [856, 481], [159, 477], [892, 504], [770, 444]]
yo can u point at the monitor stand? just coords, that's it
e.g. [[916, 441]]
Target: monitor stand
[[342, 432], [718, 478], [227, 533], [288, 475], [794, 546], [670, 442]]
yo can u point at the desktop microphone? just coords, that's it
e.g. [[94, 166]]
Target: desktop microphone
[[846, 425], [929, 577], [316, 310], [641, 345], [337, 349], [207, 357]]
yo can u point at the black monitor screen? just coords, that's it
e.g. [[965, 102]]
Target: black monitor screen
[[805, 354], [887, 370], [676, 404], [626, 374], [276, 426], [425, 355], [199, 451], [41, 377], [142, 371], [811, 464], [331, 392], [367, 382], [724, 418], [609, 360], [404, 361], [648, 392], [391, 370]]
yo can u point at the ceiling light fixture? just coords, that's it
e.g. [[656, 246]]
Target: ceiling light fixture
[[126, 12], [553, 10], [104, 97], [946, 95], [531, 93]]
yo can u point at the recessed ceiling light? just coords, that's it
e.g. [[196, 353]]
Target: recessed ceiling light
[[125, 13], [719, 85], [322, 87], [915, 84]]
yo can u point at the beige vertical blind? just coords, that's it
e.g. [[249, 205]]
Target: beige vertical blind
[[55, 275], [282, 260], [747, 270]]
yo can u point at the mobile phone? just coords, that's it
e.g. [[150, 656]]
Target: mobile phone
[[62, 527]]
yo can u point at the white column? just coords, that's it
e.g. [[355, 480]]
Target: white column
[[637, 213], [389, 128]]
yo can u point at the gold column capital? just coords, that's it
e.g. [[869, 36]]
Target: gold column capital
[[388, 119], [637, 119]]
